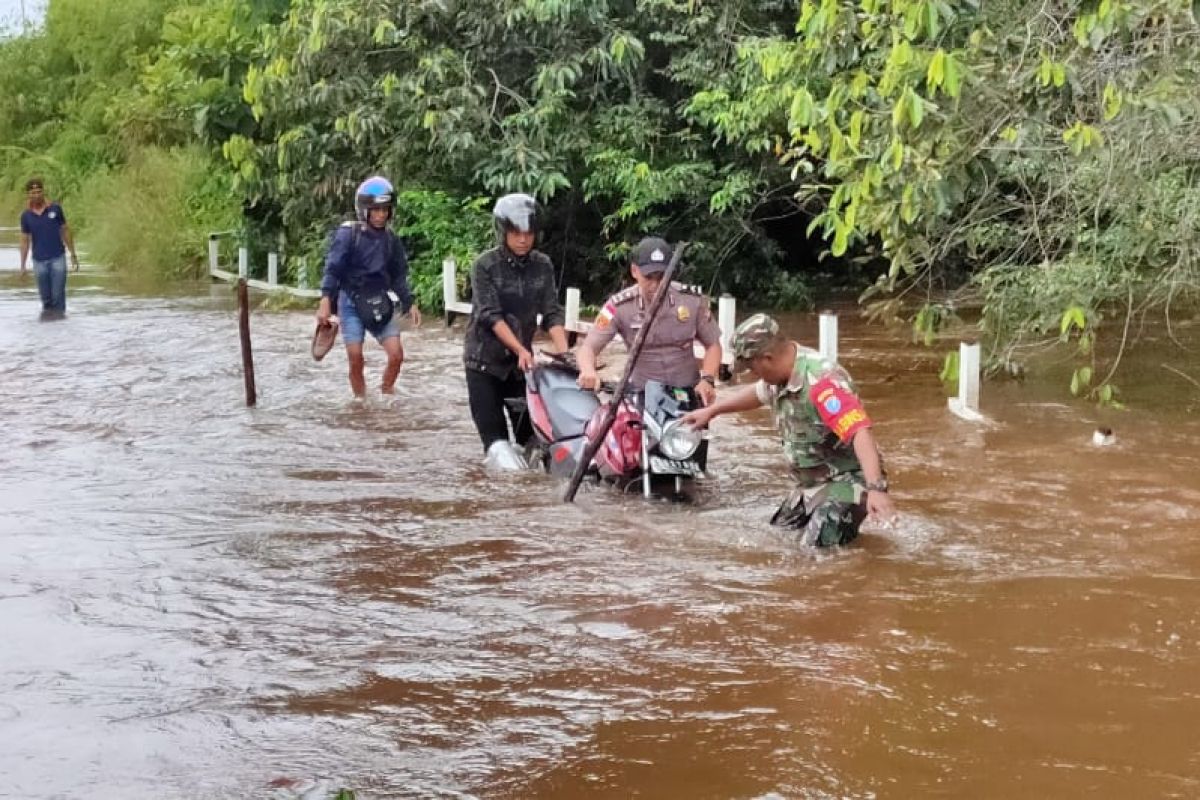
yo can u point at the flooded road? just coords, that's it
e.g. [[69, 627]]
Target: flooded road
[[203, 601]]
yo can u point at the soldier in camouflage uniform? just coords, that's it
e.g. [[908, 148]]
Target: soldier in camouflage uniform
[[825, 431]]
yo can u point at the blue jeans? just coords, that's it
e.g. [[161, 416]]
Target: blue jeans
[[52, 283], [353, 330]]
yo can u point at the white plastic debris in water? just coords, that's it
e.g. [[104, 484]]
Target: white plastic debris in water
[[1103, 437], [503, 456]]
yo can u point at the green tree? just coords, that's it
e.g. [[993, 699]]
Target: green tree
[[1042, 148], [575, 102]]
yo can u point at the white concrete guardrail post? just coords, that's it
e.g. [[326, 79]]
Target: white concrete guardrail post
[[449, 288], [966, 405], [726, 321], [243, 262], [273, 269], [828, 335], [572, 315], [214, 253]]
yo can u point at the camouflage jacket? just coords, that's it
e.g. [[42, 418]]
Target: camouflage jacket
[[515, 290], [817, 414]]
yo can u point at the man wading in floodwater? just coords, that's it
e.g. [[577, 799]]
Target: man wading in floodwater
[[366, 273], [826, 434], [44, 226]]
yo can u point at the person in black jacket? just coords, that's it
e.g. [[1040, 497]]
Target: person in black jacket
[[512, 284], [366, 274]]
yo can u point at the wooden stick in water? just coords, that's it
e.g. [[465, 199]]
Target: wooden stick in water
[[244, 329]]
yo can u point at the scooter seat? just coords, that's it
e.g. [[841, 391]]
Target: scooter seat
[[568, 406]]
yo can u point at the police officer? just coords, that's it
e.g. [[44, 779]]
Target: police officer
[[826, 433], [667, 354], [511, 284]]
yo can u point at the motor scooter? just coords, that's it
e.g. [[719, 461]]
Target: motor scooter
[[647, 442]]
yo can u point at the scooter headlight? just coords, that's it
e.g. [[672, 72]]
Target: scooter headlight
[[679, 441]]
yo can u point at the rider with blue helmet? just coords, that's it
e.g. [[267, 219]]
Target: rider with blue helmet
[[366, 276]]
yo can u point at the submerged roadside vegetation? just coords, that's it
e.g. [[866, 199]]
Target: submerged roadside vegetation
[[1030, 166]]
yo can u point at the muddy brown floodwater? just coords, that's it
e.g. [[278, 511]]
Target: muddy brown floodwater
[[203, 601]]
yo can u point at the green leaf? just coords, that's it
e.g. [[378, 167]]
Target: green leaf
[[841, 238], [908, 210], [616, 48], [801, 113], [1073, 317], [931, 18], [383, 31], [950, 366], [916, 109], [951, 84], [1080, 380], [856, 125], [1112, 101], [899, 111], [935, 75], [1045, 71]]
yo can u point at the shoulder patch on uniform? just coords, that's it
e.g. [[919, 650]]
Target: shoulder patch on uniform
[[684, 288], [624, 296]]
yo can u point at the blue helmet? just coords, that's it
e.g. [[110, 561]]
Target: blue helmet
[[374, 192]]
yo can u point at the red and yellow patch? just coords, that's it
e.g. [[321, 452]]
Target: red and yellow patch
[[839, 408], [604, 318]]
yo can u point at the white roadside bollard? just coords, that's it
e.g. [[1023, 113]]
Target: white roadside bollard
[[966, 405], [572, 308], [214, 253], [243, 262], [727, 322], [571, 323], [449, 282], [828, 336], [273, 269]]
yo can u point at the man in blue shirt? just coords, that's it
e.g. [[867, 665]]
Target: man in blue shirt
[[366, 274], [44, 226]]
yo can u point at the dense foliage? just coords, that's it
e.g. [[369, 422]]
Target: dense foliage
[[1032, 163]]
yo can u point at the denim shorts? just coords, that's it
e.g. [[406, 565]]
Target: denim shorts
[[353, 330]]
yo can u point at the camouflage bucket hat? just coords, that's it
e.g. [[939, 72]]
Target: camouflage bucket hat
[[753, 337]]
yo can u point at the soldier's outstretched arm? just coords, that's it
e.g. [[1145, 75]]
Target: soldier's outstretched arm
[[744, 399]]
